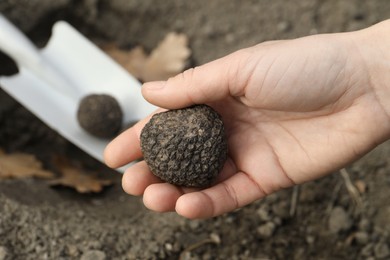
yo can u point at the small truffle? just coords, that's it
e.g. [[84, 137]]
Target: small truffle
[[100, 115], [185, 147]]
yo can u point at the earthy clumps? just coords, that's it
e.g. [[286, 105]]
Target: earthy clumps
[[100, 115], [186, 147]]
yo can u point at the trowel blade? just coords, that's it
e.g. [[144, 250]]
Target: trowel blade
[[88, 70]]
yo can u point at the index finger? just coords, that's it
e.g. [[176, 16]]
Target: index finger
[[126, 147]]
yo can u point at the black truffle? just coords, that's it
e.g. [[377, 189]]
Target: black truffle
[[100, 115], [186, 147]]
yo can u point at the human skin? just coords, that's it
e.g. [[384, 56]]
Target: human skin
[[294, 111]]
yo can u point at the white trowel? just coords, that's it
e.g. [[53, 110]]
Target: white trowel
[[51, 81]]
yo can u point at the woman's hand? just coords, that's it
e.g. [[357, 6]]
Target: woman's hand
[[293, 111]]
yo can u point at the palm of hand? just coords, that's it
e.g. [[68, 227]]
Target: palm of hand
[[296, 127]]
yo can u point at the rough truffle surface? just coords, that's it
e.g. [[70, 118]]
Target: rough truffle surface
[[100, 115], [186, 147]]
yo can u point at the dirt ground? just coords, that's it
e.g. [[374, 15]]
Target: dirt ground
[[317, 220]]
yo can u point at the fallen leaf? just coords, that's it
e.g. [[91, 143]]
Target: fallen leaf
[[166, 60], [21, 165], [81, 181], [133, 61]]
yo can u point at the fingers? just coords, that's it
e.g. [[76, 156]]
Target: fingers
[[125, 148], [233, 193], [137, 178], [203, 84], [157, 196], [227, 76], [161, 197]]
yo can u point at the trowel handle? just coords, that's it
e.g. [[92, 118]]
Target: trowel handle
[[16, 45]]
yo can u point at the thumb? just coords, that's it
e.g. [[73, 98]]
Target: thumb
[[203, 84]]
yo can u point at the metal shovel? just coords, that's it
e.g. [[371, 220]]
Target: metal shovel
[[51, 81]]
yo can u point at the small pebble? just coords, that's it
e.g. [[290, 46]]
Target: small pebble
[[168, 246], [381, 250], [339, 220], [364, 225], [310, 239], [367, 250], [263, 214], [281, 209], [266, 230], [93, 255], [194, 224], [361, 238], [216, 238], [284, 26], [3, 252]]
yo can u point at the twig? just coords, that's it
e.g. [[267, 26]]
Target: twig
[[294, 201], [352, 190], [213, 239], [335, 192]]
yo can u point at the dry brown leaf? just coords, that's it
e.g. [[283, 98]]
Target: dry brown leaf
[[21, 165], [78, 179], [166, 60], [133, 61]]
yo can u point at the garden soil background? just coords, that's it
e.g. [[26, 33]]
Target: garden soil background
[[318, 220]]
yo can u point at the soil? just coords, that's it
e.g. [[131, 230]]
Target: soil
[[317, 220]]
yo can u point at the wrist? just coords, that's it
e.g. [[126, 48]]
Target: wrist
[[373, 45]]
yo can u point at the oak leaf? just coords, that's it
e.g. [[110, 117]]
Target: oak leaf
[[78, 179], [21, 165], [166, 60]]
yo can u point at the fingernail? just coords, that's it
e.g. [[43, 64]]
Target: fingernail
[[155, 85]]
